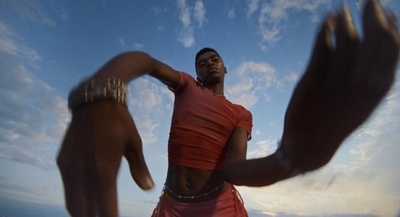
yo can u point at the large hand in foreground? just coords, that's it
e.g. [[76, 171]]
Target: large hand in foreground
[[89, 159], [342, 85]]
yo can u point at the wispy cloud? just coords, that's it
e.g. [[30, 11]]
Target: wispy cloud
[[33, 117], [255, 78], [148, 103], [199, 12], [252, 6], [272, 14], [380, 125], [32, 10], [11, 43], [231, 13], [263, 148], [186, 34], [365, 161]]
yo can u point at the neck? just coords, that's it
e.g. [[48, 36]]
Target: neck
[[218, 90]]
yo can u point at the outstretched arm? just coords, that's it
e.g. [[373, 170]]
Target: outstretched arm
[[130, 65], [103, 131], [342, 85]]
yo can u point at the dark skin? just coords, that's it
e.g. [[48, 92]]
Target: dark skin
[[102, 133], [339, 90], [355, 72], [188, 181]]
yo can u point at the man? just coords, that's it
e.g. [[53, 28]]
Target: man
[[341, 87], [207, 131]]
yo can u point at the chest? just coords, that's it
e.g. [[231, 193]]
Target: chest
[[199, 107]]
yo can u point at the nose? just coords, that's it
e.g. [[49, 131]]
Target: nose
[[210, 63]]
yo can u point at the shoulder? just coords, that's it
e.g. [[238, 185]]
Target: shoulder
[[186, 76], [244, 112], [240, 108], [185, 80]]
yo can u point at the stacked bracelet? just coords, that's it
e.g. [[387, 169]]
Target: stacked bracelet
[[107, 89]]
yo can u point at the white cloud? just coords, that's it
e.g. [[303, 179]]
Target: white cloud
[[11, 44], [359, 181], [231, 13], [253, 6], [255, 78], [186, 34], [33, 117], [63, 14], [199, 12], [186, 37], [184, 15], [32, 10], [147, 103], [263, 148], [122, 42], [272, 14], [381, 126], [127, 46], [138, 45]]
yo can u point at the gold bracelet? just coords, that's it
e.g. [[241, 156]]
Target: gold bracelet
[[107, 89]]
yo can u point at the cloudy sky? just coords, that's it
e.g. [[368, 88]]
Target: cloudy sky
[[48, 46]]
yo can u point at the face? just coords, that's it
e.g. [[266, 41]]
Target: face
[[210, 68]]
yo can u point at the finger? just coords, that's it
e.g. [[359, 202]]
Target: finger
[[346, 34], [322, 50], [392, 19], [374, 19], [138, 168], [137, 164], [74, 191], [378, 27], [380, 47], [347, 47], [79, 189], [106, 195]]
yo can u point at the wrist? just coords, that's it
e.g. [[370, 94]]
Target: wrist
[[106, 89], [286, 163]]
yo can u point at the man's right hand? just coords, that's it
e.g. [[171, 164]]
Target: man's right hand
[[98, 136]]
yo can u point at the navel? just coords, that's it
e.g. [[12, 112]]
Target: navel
[[188, 184]]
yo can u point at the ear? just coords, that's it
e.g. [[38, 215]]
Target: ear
[[226, 71]]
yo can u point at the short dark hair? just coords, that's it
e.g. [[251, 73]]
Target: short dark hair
[[204, 50]]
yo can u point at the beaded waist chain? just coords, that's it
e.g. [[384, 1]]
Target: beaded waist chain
[[194, 196]]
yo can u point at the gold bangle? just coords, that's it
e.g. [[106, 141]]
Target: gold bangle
[[107, 89]]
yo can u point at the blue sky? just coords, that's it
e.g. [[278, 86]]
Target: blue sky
[[47, 47]]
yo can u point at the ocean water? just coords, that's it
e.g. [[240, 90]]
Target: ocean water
[[16, 208]]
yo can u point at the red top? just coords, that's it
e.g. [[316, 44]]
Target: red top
[[202, 124]]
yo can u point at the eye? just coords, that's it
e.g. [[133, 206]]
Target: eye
[[201, 64]]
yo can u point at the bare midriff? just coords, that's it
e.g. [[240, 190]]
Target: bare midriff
[[190, 185]]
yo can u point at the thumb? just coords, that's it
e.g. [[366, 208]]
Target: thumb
[[136, 161]]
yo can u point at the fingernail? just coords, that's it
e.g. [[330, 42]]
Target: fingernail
[[149, 183], [346, 13]]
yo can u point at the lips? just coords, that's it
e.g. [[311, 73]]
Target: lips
[[212, 70]]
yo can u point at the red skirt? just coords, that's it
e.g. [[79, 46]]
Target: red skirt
[[229, 204]]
